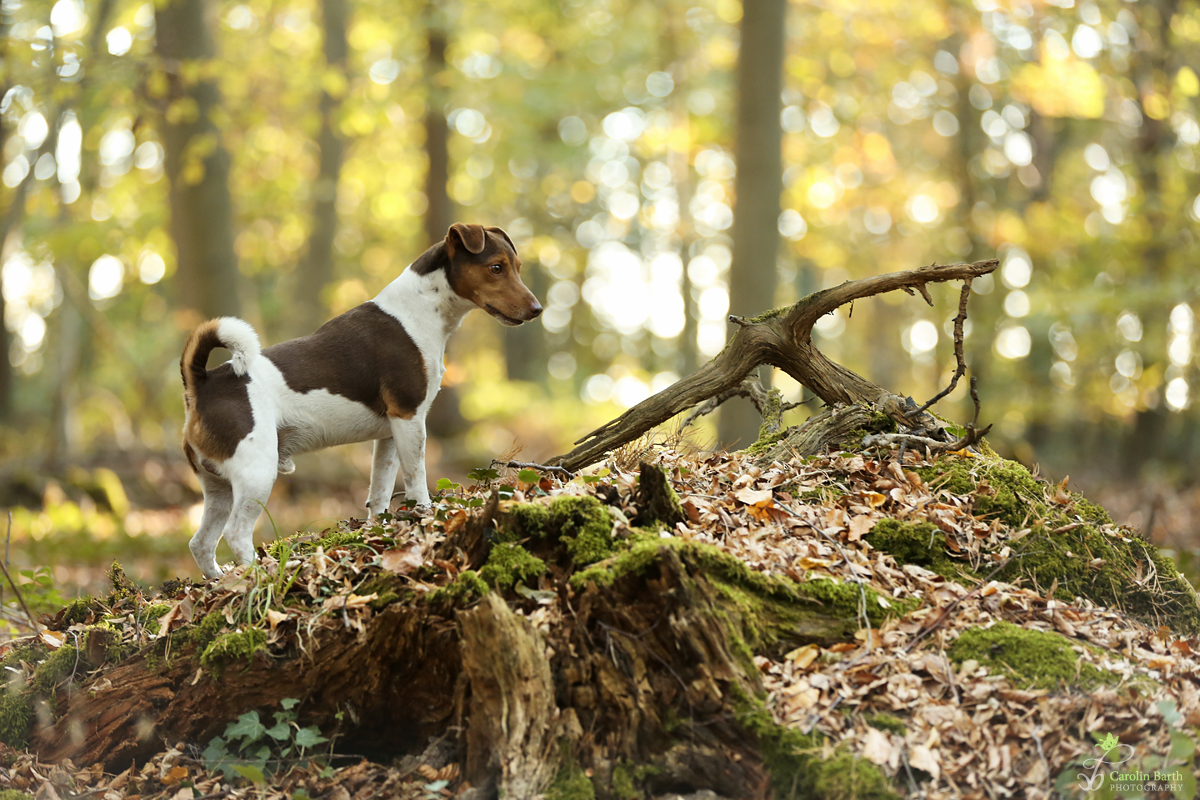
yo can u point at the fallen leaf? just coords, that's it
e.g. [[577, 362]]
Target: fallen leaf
[[802, 657], [403, 560], [275, 617], [924, 759], [878, 747], [860, 526], [756, 497]]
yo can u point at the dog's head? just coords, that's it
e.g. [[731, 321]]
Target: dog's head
[[482, 266]]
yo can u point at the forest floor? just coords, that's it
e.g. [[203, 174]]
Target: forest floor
[[953, 683]]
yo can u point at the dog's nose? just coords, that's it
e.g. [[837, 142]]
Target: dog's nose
[[535, 310]]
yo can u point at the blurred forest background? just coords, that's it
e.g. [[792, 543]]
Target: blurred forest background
[[658, 165]]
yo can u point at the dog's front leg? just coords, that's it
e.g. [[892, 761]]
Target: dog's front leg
[[408, 436], [384, 465]]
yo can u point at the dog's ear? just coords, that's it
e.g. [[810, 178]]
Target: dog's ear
[[470, 236], [500, 232]]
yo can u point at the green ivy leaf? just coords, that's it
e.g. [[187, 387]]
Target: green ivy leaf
[[250, 773], [483, 474], [309, 737], [1182, 747], [289, 703], [248, 728], [281, 732], [528, 476]]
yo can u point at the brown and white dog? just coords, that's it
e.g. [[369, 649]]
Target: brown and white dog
[[371, 373]]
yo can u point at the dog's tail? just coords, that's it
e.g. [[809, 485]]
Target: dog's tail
[[229, 332]]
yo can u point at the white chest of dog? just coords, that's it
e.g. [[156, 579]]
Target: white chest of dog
[[370, 374]]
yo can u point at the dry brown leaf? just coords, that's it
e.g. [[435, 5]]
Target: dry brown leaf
[[756, 497], [859, 527], [403, 560], [924, 759], [275, 617], [803, 657], [877, 748], [175, 775]]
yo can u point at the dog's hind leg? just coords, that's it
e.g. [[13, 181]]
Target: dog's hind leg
[[384, 466], [252, 471], [218, 502]]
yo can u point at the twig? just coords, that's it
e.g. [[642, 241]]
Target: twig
[[566, 473], [960, 360], [751, 388], [32, 620]]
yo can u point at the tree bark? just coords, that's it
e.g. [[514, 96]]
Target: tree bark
[[316, 269], [781, 338], [651, 669], [439, 215], [753, 274], [196, 163]]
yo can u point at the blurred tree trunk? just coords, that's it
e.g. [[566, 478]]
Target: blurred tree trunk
[[1143, 441], [316, 268], [679, 161], [753, 274], [197, 163], [439, 215], [6, 372]]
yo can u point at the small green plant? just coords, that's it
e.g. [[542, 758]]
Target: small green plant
[[448, 493], [252, 750], [37, 587]]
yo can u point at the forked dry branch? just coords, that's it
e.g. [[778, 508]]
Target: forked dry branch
[[781, 338]]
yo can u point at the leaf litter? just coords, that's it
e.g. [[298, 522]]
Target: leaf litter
[[895, 695]]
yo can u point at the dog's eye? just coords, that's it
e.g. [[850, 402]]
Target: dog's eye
[[496, 269]]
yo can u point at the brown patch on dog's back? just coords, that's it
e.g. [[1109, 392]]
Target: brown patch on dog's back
[[365, 355]]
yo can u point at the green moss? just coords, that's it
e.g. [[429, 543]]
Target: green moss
[[152, 612], [202, 632], [16, 717], [819, 495], [584, 526], [61, 664], [1088, 560], [303, 544], [388, 587], [233, 646], [887, 722], [466, 588], [509, 563], [571, 783], [919, 543], [1108, 569], [1089, 510], [14, 794], [771, 610], [628, 777], [526, 520], [793, 761], [1030, 658], [122, 586], [81, 610], [1001, 489]]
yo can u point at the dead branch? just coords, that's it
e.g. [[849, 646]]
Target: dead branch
[[780, 338], [960, 360]]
